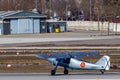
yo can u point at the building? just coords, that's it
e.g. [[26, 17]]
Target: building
[[20, 22], [57, 27]]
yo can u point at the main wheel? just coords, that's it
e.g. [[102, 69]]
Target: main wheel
[[66, 71], [52, 72]]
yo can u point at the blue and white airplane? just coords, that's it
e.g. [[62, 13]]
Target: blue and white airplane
[[70, 60]]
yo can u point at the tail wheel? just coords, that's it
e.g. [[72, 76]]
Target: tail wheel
[[102, 71], [66, 71], [53, 72]]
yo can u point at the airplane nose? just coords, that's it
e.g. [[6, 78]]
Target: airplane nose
[[52, 61]]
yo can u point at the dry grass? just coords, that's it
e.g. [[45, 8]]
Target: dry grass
[[32, 64], [26, 64]]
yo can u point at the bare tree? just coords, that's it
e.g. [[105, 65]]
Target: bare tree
[[99, 7]]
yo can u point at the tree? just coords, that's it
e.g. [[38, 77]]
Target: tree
[[49, 7]]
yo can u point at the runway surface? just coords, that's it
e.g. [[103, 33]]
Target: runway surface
[[31, 40], [10, 42], [76, 37], [60, 76]]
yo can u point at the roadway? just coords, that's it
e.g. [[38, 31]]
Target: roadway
[[113, 40], [80, 37], [60, 76]]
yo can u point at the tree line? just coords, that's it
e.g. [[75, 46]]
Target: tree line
[[95, 8]]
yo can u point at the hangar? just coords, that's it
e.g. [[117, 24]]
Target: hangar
[[20, 22]]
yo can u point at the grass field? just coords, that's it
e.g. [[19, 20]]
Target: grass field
[[26, 64]]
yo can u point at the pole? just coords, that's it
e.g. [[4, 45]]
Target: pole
[[36, 1], [50, 7], [98, 18], [116, 29], [8, 4], [108, 28], [66, 12], [42, 2], [90, 10]]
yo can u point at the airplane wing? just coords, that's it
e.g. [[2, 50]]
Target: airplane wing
[[67, 54], [52, 55], [84, 54]]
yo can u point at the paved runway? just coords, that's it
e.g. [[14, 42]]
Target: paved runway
[[81, 37], [26, 41], [31, 40], [60, 76], [63, 37]]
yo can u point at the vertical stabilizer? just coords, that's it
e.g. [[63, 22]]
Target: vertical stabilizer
[[104, 62]]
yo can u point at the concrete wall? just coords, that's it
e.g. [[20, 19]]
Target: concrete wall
[[92, 25]]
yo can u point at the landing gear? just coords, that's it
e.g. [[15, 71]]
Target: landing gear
[[54, 70], [102, 71], [66, 71]]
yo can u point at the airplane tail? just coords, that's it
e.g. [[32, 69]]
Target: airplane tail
[[104, 62]]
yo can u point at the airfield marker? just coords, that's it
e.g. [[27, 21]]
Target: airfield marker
[[9, 66]]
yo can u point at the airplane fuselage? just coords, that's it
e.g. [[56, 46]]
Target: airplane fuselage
[[76, 64]]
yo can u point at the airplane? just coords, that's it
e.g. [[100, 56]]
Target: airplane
[[72, 61]]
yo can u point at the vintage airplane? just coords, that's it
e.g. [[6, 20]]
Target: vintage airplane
[[72, 60]]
